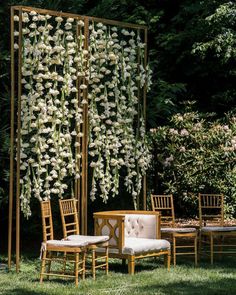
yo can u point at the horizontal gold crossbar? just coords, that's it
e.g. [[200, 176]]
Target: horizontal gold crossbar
[[80, 17]]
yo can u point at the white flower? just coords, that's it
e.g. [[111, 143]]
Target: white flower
[[68, 26], [80, 23], [70, 20], [33, 26], [184, 132], [83, 86], [59, 19], [33, 13]]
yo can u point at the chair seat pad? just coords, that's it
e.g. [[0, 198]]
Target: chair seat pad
[[63, 243], [178, 229], [90, 240], [139, 245], [218, 228]]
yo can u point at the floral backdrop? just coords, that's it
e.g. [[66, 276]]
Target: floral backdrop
[[57, 72]]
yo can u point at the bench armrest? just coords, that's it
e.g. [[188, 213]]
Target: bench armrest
[[111, 225]]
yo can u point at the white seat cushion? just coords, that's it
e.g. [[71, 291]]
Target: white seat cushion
[[88, 239], [62, 243], [218, 228], [178, 230], [139, 245]]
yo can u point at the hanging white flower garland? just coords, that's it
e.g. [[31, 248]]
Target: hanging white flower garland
[[50, 112], [51, 117], [117, 130]]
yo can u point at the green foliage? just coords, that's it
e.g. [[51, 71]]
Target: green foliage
[[177, 33], [221, 33], [195, 155]]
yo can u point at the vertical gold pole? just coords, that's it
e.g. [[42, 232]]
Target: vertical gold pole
[[18, 147], [85, 143], [145, 119], [78, 149], [11, 188], [138, 119]]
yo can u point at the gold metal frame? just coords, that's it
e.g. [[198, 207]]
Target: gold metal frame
[[81, 186]]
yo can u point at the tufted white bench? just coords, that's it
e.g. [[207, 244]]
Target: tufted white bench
[[133, 235]]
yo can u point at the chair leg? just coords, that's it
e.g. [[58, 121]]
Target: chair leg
[[174, 250], [49, 264], [64, 262], [83, 264], [93, 264], [195, 249], [131, 264], [221, 238], [76, 269], [199, 246], [212, 247], [43, 265]]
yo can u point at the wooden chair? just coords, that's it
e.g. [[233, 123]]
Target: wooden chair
[[51, 246], [213, 233], [165, 204], [70, 225]]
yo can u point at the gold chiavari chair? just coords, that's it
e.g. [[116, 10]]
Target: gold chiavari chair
[[213, 233], [51, 246], [70, 225], [165, 205]]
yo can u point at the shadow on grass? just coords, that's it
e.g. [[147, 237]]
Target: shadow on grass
[[225, 286], [226, 265], [24, 291]]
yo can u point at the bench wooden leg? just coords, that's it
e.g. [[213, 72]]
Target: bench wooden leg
[[93, 264], [107, 260], [131, 264]]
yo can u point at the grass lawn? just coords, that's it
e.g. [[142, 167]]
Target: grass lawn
[[150, 278]]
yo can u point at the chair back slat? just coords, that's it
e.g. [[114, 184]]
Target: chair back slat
[[164, 204], [47, 220], [69, 217], [211, 209]]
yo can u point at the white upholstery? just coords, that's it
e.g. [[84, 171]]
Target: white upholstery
[[140, 226], [140, 235], [88, 239], [139, 245], [178, 230], [61, 243], [218, 228]]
